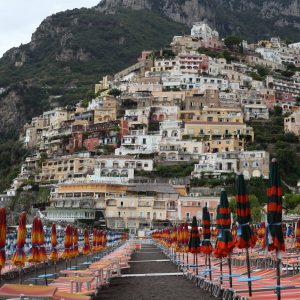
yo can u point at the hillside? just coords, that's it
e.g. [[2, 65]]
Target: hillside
[[252, 19], [69, 53]]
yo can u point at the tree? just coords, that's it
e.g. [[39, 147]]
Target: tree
[[115, 92], [290, 202], [256, 208], [232, 42]]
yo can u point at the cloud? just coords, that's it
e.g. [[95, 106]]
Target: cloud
[[19, 19]]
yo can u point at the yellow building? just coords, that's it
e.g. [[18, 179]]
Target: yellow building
[[212, 130], [66, 167]]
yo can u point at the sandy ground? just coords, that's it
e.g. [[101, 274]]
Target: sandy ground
[[154, 287]]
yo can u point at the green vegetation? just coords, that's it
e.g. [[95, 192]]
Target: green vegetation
[[168, 171], [291, 203], [11, 156], [233, 42], [256, 208]]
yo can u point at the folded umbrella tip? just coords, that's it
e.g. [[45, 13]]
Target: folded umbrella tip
[[274, 160]]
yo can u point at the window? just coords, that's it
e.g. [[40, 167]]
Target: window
[[187, 215], [144, 141]]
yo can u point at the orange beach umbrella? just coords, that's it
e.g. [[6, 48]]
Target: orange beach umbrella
[[34, 256], [86, 246], [19, 257], [67, 242], [54, 253], [75, 251], [42, 250]]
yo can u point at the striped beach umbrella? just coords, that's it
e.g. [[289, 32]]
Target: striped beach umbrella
[[34, 256], [225, 242], [274, 236], [194, 240], [246, 237], [41, 237], [3, 230], [68, 241], [297, 235], [86, 250], [54, 253], [95, 239], [75, 250], [19, 257], [206, 246], [275, 240], [174, 237], [261, 234]]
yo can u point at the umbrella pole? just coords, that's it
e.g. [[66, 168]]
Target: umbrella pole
[[20, 275], [221, 271], [209, 266], [278, 262], [45, 271], [35, 273], [248, 271], [196, 263], [229, 268], [205, 265]]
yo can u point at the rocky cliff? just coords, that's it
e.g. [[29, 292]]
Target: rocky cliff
[[251, 19]]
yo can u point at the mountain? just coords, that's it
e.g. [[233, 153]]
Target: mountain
[[252, 19], [68, 54]]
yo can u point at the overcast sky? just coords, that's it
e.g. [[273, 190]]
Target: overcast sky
[[20, 18]]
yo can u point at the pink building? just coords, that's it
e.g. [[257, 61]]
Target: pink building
[[189, 206]]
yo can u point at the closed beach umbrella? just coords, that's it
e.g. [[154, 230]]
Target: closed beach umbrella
[[86, 246], [274, 236], [67, 243], [194, 241], [54, 252], [42, 249], [261, 234], [95, 238], [19, 257], [246, 237], [297, 235], [185, 241], [206, 246], [2, 237], [75, 252], [34, 256], [174, 237], [225, 242]]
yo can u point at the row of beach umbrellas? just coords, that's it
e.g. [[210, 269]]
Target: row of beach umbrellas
[[228, 236]]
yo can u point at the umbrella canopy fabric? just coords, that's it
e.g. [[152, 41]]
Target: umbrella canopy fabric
[[86, 246], [185, 237], [3, 229], [67, 243], [246, 238], [174, 237], [225, 242], [274, 238], [297, 235], [99, 240], [206, 246], [95, 238], [75, 251], [19, 257], [54, 252], [261, 234], [194, 241], [34, 256], [42, 250]]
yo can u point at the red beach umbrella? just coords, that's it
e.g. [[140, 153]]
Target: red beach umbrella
[[206, 246], [19, 257], [42, 250], [54, 253], [34, 256], [95, 238], [3, 229], [274, 236], [67, 243], [297, 235], [86, 250], [75, 251]]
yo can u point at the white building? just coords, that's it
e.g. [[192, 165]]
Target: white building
[[255, 111], [250, 163], [202, 31], [139, 144]]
